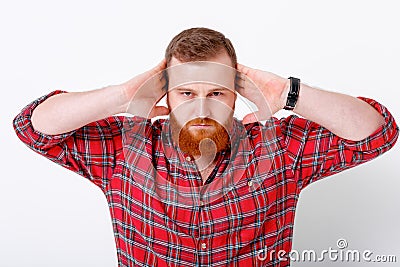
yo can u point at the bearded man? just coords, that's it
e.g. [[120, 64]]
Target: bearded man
[[203, 188]]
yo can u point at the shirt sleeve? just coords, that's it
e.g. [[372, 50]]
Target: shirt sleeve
[[90, 151], [314, 152]]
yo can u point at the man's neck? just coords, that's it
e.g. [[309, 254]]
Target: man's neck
[[205, 165]]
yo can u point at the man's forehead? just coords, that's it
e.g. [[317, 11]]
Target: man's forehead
[[201, 72], [222, 58]]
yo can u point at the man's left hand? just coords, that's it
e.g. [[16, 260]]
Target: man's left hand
[[267, 90]]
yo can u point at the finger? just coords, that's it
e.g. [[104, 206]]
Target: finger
[[256, 116], [159, 111], [160, 66], [246, 87], [156, 70], [252, 117], [240, 80], [242, 68], [244, 77]]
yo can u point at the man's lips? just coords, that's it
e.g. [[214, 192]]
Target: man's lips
[[201, 125]]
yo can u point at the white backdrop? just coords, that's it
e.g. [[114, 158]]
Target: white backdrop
[[50, 216]]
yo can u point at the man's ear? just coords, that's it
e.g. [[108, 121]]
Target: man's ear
[[166, 80], [238, 80], [167, 100]]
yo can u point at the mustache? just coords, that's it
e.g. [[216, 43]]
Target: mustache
[[202, 121]]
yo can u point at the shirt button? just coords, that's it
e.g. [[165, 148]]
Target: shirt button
[[201, 203], [250, 183], [188, 158], [203, 245]]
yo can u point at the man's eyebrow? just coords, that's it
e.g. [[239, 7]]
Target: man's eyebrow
[[212, 90], [220, 89], [183, 89]]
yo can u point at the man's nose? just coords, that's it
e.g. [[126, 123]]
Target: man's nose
[[203, 107]]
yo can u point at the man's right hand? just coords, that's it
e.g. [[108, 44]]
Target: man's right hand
[[144, 91], [69, 111]]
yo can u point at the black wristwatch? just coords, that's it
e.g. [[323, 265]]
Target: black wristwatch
[[293, 94]]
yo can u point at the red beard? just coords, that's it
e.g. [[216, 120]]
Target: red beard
[[198, 140]]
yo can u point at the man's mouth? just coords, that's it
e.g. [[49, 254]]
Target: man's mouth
[[201, 125]]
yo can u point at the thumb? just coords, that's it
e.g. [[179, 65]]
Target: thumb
[[150, 73], [243, 69], [253, 117], [257, 116], [157, 69], [160, 66], [159, 111], [141, 78]]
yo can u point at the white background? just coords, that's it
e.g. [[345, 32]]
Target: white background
[[50, 216]]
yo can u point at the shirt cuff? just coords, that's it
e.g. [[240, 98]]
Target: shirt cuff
[[23, 126], [382, 138]]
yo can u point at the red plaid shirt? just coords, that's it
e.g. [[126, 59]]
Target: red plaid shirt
[[241, 226]]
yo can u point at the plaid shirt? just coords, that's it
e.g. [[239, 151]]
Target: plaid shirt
[[161, 224]]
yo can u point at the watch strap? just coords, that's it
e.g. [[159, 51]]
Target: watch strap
[[293, 94]]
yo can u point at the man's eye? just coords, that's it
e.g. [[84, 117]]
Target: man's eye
[[216, 93], [186, 93]]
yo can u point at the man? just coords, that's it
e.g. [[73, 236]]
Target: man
[[203, 188]]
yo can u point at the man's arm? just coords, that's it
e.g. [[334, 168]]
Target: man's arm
[[66, 112], [344, 115], [62, 113], [337, 132], [77, 131], [314, 152], [80, 150]]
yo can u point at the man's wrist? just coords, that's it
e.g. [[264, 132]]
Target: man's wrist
[[118, 99], [292, 93], [284, 94]]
